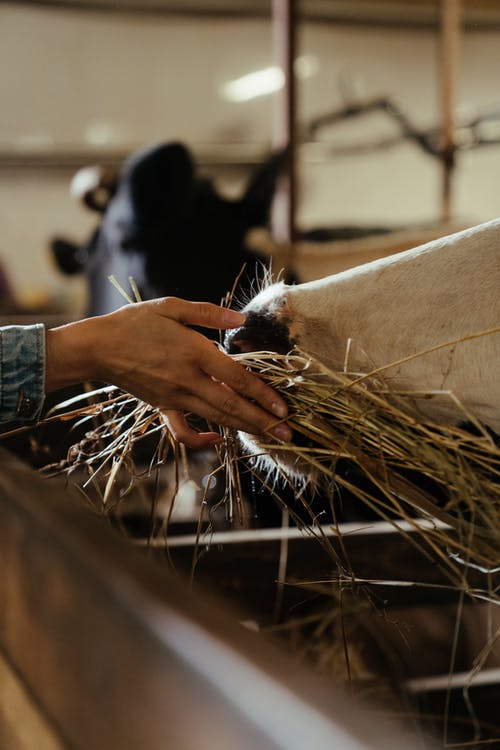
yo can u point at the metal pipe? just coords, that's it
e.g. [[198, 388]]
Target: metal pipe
[[449, 40], [284, 45]]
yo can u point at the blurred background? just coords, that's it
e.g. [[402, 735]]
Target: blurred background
[[89, 81]]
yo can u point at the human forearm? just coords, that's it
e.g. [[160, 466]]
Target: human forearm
[[71, 354]]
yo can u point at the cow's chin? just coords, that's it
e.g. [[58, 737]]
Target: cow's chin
[[276, 467]]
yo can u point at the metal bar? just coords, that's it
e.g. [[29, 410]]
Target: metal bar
[[241, 566], [449, 40], [373, 529], [284, 43]]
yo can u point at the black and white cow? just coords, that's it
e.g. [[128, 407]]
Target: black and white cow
[[167, 228], [391, 309]]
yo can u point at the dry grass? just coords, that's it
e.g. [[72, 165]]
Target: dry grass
[[334, 415], [360, 419], [442, 481]]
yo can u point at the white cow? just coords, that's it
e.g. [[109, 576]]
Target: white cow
[[393, 308], [386, 311]]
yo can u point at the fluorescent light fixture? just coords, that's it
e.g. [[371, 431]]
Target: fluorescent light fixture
[[266, 81], [262, 82]]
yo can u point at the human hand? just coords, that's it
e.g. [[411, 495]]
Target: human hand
[[148, 350]]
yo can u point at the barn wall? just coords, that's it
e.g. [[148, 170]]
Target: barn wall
[[73, 81]]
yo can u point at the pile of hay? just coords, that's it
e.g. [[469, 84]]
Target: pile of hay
[[337, 415], [359, 418], [442, 481]]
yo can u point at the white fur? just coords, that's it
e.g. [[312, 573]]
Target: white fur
[[381, 312]]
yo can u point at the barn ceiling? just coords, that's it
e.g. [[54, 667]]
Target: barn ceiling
[[476, 13]]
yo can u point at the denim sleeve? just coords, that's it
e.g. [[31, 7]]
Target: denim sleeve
[[22, 373]]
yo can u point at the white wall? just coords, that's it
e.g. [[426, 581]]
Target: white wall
[[73, 80]]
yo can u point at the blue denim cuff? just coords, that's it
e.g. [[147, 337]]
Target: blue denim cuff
[[22, 372]]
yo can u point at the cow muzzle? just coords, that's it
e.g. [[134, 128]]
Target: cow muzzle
[[261, 332]]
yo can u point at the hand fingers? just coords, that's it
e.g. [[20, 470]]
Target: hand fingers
[[217, 403], [221, 367], [224, 369], [183, 433], [203, 314]]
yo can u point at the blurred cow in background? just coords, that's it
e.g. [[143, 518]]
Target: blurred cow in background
[[167, 228], [170, 231]]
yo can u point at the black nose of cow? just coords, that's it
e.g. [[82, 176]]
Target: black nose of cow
[[261, 332]]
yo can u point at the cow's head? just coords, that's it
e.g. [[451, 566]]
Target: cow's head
[[168, 228], [417, 318]]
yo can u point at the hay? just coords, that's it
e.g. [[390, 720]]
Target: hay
[[116, 423], [362, 420], [335, 416], [453, 517]]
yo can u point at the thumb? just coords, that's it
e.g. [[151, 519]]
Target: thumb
[[203, 314]]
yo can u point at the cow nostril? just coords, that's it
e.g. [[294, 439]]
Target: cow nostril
[[260, 333], [236, 342], [240, 344]]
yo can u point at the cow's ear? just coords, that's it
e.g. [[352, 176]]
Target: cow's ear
[[67, 255], [71, 258], [257, 200]]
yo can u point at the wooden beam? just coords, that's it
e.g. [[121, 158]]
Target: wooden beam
[[23, 725], [121, 654]]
